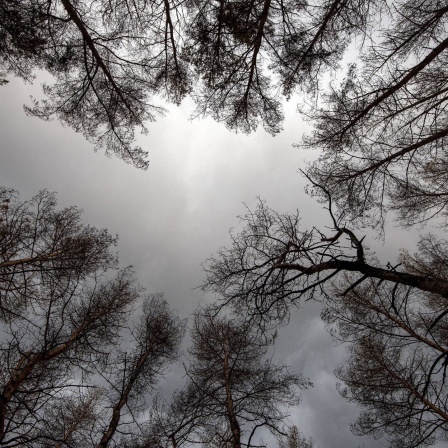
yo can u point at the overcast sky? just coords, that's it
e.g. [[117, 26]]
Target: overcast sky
[[175, 215]]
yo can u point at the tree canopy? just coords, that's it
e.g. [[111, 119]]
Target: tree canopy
[[381, 135], [75, 369], [112, 61], [233, 389]]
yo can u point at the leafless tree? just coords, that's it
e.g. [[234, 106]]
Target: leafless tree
[[41, 246], [179, 421], [394, 316], [273, 262], [72, 421], [63, 361], [235, 390]]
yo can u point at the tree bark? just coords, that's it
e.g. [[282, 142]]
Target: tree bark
[[234, 425], [429, 284]]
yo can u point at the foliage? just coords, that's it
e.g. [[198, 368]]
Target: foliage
[[295, 440], [74, 370], [111, 59], [394, 317], [232, 389]]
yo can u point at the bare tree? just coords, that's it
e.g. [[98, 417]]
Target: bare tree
[[65, 332], [179, 421], [234, 389], [72, 421], [41, 246], [394, 316], [273, 263]]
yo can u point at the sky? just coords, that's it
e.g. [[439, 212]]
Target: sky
[[174, 216]]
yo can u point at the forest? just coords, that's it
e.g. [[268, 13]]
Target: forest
[[89, 357]]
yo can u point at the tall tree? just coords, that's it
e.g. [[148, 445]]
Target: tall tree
[[108, 59], [394, 316], [382, 132], [57, 338], [234, 390], [240, 47], [397, 365], [273, 262], [132, 374], [64, 317], [42, 246]]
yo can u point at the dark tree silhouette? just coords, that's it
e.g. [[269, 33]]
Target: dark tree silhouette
[[54, 340], [133, 374], [382, 133], [232, 389], [240, 47], [273, 262], [41, 247], [395, 317], [108, 60], [65, 316], [397, 365]]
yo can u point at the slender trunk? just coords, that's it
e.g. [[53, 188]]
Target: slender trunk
[[123, 399], [29, 361], [21, 372], [233, 421]]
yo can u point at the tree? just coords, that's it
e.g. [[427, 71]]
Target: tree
[[272, 263], [64, 317], [107, 58], [179, 421], [397, 365], [382, 132], [40, 246], [393, 316], [72, 421], [295, 440], [233, 389], [247, 50], [133, 373]]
